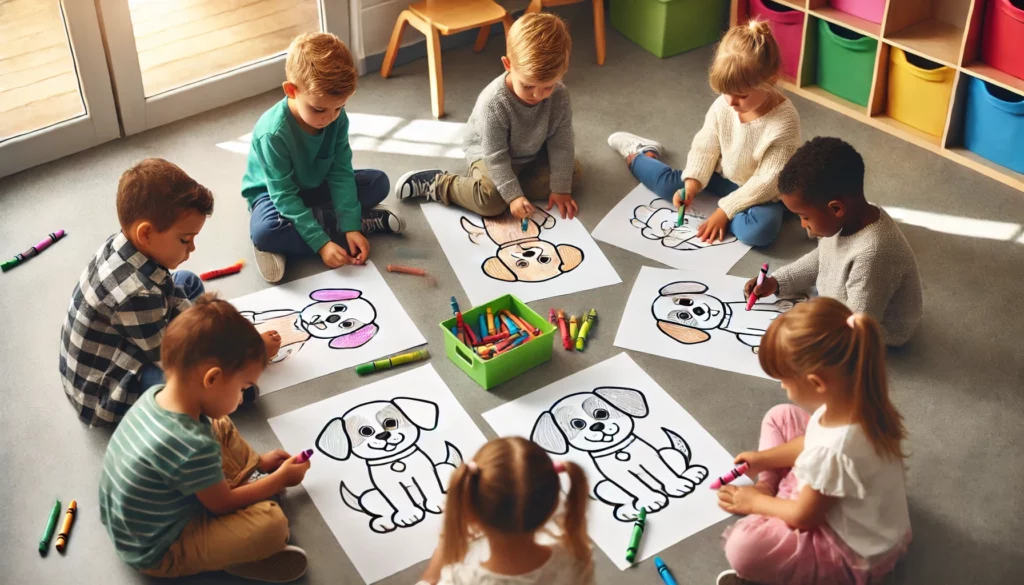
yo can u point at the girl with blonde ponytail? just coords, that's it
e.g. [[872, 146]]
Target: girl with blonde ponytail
[[507, 493], [835, 476]]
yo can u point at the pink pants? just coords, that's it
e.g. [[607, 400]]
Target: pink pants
[[765, 550]]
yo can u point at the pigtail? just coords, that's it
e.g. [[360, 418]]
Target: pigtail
[[881, 422], [574, 522], [455, 533]]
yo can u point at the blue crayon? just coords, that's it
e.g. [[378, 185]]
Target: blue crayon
[[483, 325], [455, 330], [666, 575], [526, 224], [455, 306], [512, 329]]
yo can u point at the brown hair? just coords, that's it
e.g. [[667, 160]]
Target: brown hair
[[158, 191], [538, 46], [512, 487], [747, 58], [320, 64], [818, 334], [212, 330]]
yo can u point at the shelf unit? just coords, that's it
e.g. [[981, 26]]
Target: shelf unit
[[947, 32]]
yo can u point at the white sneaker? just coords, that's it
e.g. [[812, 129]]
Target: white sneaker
[[284, 566], [269, 265], [626, 144], [730, 578], [380, 219], [418, 184]]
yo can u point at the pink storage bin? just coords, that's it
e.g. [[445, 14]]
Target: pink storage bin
[[867, 9], [787, 28], [1001, 38]]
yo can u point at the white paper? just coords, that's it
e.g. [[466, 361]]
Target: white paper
[[652, 453], [430, 436], [328, 322], [494, 256], [646, 224], [698, 317]]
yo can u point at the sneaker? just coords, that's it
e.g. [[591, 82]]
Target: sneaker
[[626, 144], [418, 184], [382, 219], [731, 578], [282, 567], [269, 265]]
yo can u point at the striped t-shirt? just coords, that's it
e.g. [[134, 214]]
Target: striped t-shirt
[[155, 463]]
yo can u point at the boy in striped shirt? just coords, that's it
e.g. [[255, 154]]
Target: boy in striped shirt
[[175, 493]]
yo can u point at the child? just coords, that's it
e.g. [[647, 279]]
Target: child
[[175, 494], [830, 504], [110, 341], [519, 139], [508, 492], [862, 259], [748, 135], [304, 196]]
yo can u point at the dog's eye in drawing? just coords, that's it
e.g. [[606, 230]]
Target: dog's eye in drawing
[[544, 259], [600, 414], [522, 263], [339, 309], [578, 423], [348, 323], [366, 431], [683, 301], [390, 424], [681, 316]]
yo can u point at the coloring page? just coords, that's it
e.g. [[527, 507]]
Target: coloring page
[[638, 447], [494, 256], [328, 322], [698, 317], [382, 458], [646, 224]]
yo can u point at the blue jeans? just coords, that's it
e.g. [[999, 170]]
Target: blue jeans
[[271, 232], [755, 226], [192, 286]]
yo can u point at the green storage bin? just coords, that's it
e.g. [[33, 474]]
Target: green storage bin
[[670, 27], [846, 62], [504, 367]]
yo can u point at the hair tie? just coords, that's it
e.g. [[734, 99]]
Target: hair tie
[[472, 467], [851, 321], [559, 466]]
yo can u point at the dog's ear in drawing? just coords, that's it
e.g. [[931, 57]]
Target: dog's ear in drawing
[[357, 338], [682, 333], [420, 412], [547, 434], [472, 230], [335, 294], [683, 288], [630, 401], [333, 440], [571, 257], [496, 269]]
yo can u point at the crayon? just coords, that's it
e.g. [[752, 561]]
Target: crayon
[[682, 208], [65, 529], [730, 477], [388, 363], [566, 342], [512, 327], [51, 525], [455, 330], [581, 341], [523, 323], [495, 337], [506, 343], [760, 280], [455, 306], [525, 224], [551, 316], [574, 328], [406, 270], [490, 322], [228, 270], [28, 254], [483, 326], [304, 456], [666, 575], [470, 335], [485, 352], [638, 532]]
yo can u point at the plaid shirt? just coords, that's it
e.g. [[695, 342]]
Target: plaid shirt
[[115, 323]]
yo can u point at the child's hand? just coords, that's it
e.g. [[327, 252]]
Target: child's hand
[[291, 473], [738, 500], [753, 461], [692, 187], [333, 255], [271, 339], [358, 243], [713, 229], [566, 205], [271, 460], [769, 287], [521, 207]]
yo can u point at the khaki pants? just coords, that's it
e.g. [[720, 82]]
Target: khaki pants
[[212, 543], [477, 192]]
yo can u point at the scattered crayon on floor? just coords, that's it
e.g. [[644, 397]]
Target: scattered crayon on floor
[[38, 248], [574, 328], [51, 525], [65, 530], [581, 341], [406, 270], [226, 271], [388, 363]]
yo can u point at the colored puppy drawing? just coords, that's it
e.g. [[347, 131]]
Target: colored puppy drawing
[[523, 256], [657, 221]]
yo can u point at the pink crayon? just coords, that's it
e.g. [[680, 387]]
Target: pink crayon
[[304, 456], [730, 477], [760, 280]]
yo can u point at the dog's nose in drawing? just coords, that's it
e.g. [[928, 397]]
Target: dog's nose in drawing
[[529, 254], [699, 311], [382, 436], [333, 319], [598, 426]]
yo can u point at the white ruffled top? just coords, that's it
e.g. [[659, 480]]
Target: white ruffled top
[[560, 569], [871, 512]]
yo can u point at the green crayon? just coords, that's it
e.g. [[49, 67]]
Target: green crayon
[[638, 532], [51, 525], [388, 363], [585, 329]]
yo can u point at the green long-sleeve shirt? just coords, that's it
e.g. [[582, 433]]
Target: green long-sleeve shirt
[[284, 159]]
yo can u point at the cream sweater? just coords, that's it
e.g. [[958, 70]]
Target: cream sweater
[[749, 154]]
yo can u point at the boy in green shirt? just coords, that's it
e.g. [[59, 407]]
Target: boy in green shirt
[[303, 194]]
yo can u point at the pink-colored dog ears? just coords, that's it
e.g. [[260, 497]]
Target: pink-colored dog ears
[[335, 294], [357, 338]]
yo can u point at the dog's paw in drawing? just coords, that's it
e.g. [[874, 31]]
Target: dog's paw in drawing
[[409, 516]]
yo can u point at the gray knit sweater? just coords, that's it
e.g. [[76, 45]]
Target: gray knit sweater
[[503, 131], [873, 271]]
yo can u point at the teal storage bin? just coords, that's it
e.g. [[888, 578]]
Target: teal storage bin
[[670, 27], [846, 62], [994, 124]]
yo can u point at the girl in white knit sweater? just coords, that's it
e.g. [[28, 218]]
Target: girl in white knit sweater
[[748, 135]]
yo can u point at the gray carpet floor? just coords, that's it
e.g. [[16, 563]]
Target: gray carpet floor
[[959, 383]]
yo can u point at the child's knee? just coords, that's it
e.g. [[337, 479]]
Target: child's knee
[[490, 201], [761, 234], [746, 554], [780, 415], [270, 528], [376, 184]]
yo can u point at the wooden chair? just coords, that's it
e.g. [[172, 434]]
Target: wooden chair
[[599, 42], [434, 18]]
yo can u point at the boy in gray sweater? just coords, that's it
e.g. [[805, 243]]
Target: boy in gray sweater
[[519, 140], [862, 258]]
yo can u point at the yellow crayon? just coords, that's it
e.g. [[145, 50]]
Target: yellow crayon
[[573, 327], [490, 322], [582, 339]]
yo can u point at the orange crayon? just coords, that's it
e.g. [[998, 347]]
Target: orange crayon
[[406, 270], [65, 530]]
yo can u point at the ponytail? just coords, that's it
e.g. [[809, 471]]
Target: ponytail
[[455, 532], [881, 422], [574, 523]]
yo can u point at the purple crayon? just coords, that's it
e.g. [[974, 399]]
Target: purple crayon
[[304, 456], [730, 477]]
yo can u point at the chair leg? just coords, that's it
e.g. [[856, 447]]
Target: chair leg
[[481, 38], [535, 6], [396, 41], [436, 80], [506, 23], [599, 40]]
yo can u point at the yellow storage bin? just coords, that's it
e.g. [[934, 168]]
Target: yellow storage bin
[[919, 92]]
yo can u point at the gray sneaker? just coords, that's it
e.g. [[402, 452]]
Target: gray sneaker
[[381, 219], [418, 184], [626, 144], [285, 566], [269, 265]]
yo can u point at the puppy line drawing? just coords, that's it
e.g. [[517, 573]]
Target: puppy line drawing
[[407, 484], [635, 474], [687, 314], [657, 221], [522, 256]]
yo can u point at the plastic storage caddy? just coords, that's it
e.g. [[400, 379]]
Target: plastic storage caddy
[[501, 368], [919, 92], [787, 28], [670, 27], [1002, 40], [994, 124], [846, 62]]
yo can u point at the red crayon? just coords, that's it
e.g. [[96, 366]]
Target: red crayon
[[406, 270], [495, 337], [506, 343], [233, 269], [731, 476], [304, 456], [566, 340]]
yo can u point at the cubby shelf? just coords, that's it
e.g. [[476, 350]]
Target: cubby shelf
[[937, 40], [856, 24]]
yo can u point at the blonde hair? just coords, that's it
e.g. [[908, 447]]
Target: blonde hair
[[321, 64], [747, 58], [823, 333], [511, 487], [538, 46]]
